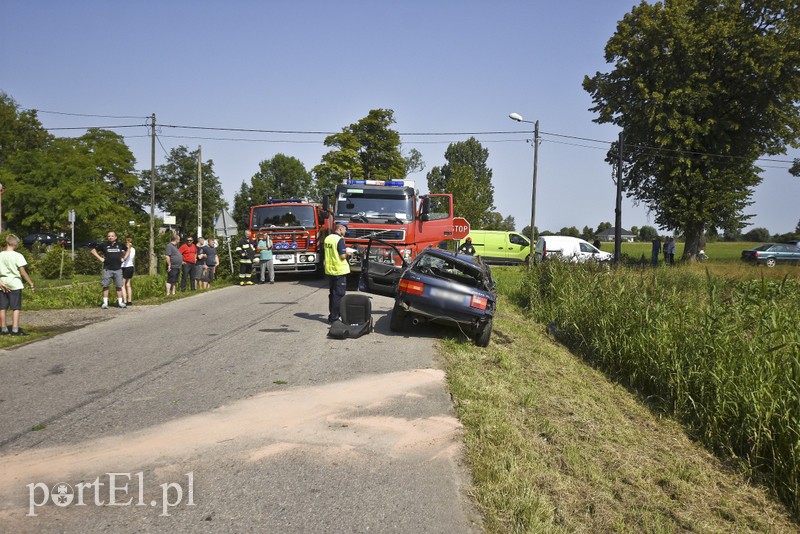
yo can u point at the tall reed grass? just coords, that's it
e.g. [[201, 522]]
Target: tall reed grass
[[722, 356]]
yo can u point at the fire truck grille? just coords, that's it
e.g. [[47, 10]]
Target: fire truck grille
[[291, 240], [379, 233]]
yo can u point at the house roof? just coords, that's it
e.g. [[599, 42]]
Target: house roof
[[611, 231]]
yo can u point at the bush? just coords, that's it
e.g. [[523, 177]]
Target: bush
[[56, 263], [85, 263]]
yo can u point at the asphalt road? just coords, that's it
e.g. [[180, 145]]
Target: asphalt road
[[231, 411]]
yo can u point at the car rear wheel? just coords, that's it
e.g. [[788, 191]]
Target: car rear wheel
[[770, 262], [483, 334], [398, 318]]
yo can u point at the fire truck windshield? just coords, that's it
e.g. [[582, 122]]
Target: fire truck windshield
[[372, 206], [283, 216]]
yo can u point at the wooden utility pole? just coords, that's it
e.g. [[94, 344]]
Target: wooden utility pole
[[152, 195], [618, 209], [199, 191]]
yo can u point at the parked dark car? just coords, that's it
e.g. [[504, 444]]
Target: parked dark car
[[771, 254], [46, 239], [438, 286]]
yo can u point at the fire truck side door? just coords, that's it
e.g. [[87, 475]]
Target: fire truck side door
[[435, 220]]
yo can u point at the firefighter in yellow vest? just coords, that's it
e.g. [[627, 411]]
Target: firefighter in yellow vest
[[336, 269]]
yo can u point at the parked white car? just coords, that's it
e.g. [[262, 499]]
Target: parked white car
[[571, 249]]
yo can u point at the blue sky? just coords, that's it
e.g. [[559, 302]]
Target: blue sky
[[442, 66]]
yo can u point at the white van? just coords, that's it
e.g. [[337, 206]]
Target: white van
[[566, 248]]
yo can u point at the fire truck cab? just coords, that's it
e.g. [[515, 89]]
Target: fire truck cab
[[297, 229], [394, 212]]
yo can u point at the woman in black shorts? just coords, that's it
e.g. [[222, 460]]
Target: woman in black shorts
[[127, 272]]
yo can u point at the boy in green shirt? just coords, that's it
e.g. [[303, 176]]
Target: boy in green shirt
[[12, 272]]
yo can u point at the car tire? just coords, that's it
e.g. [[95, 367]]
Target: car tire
[[770, 262], [483, 334], [398, 318]]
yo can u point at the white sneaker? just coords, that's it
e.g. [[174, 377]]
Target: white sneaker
[[104, 305], [122, 305]]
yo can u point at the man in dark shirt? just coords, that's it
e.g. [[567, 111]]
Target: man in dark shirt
[[114, 253]]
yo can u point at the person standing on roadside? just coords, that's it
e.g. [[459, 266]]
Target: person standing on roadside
[[264, 248], [654, 253], [671, 250], [189, 252], [212, 261], [12, 273], [200, 264], [246, 252], [336, 269], [114, 253], [174, 261], [127, 272]]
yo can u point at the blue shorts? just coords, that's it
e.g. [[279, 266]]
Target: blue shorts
[[11, 300]]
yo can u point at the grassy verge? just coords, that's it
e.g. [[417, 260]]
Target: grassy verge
[[84, 291], [557, 446]]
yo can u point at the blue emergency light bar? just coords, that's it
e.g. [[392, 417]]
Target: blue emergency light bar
[[387, 183], [284, 201]]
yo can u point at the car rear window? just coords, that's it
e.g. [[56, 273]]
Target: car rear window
[[429, 264]]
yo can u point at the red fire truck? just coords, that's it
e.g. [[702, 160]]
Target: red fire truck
[[393, 212], [297, 229]]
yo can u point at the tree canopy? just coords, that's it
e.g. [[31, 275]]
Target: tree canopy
[[367, 149], [176, 189], [280, 177], [468, 179], [701, 90], [45, 177]]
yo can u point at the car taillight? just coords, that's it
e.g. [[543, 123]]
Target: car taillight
[[478, 302], [412, 287]]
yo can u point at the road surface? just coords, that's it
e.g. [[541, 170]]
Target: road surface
[[231, 411]]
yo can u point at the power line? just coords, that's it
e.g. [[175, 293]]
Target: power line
[[95, 127], [85, 114], [402, 134]]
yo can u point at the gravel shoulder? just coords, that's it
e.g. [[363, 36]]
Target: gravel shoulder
[[66, 319]]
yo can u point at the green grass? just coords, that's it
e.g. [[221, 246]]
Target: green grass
[[562, 441], [716, 250]]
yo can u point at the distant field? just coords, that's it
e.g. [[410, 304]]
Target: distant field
[[719, 250]]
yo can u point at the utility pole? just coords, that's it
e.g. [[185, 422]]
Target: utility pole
[[152, 195], [199, 191], [618, 209], [533, 190]]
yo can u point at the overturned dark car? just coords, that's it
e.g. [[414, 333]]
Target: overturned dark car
[[438, 286]]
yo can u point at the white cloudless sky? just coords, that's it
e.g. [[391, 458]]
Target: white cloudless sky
[[445, 67]]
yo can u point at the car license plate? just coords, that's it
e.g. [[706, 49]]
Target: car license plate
[[283, 257], [449, 295]]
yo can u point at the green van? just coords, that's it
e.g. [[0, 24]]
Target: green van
[[500, 247]]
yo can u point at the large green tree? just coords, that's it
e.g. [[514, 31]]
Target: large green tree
[[367, 149], [701, 89], [176, 190], [20, 130], [280, 177], [467, 177], [93, 174]]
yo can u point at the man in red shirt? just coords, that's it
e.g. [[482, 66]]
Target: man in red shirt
[[189, 252]]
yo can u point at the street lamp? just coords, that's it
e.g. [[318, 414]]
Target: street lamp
[[517, 117]]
